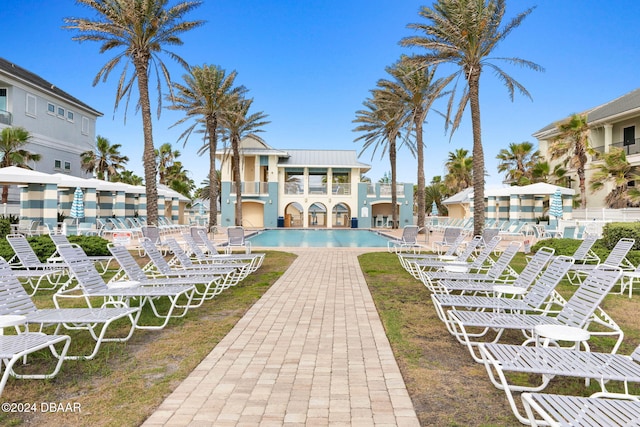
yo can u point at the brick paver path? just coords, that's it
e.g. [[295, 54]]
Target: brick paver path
[[312, 351]]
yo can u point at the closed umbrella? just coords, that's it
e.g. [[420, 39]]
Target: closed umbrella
[[434, 209], [77, 206], [555, 205]]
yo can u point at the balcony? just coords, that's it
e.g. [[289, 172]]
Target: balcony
[[385, 190], [342, 189], [629, 149], [6, 118], [252, 188]]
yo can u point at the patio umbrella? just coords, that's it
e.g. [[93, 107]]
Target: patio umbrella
[[434, 209], [555, 205], [77, 206]]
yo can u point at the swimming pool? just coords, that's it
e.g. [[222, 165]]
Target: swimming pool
[[315, 238]]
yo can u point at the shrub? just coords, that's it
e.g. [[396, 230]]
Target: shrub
[[5, 227], [43, 246], [614, 231]]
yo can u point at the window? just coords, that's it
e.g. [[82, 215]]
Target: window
[[57, 164], [30, 109], [61, 112], [67, 166], [51, 109], [85, 126], [70, 115]]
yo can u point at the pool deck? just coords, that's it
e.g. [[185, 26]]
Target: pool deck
[[311, 352]]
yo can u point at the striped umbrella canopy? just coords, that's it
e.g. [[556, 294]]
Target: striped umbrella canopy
[[77, 206], [555, 204], [434, 209]]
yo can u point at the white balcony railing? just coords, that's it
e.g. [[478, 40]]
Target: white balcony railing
[[252, 188]]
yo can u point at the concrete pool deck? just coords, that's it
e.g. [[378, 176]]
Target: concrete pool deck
[[312, 351]]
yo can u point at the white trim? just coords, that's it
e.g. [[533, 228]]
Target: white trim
[[34, 99]]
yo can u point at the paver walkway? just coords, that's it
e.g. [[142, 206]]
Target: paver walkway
[[312, 351]]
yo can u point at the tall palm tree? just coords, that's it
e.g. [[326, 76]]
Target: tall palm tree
[[381, 121], [208, 93], [465, 33], [460, 170], [573, 141], [517, 162], [239, 124], [418, 89], [106, 160], [165, 156], [616, 168], [12, 141], [138, 31]]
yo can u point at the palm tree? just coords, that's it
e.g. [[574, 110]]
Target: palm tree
[[177, 178], [381, 121], [542, 172], [106, 160], [139, 30], [128, 177], [465, 33], [460, 170], [436, 192], [165, 157], [418, 89], [573, 141], [239, 124], [12, 140], [208, 93], [517, 162], [616, 168]]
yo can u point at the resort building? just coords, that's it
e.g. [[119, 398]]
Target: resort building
[[307, 188], [612, 124], [61, 126]]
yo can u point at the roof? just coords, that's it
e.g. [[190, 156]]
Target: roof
[[620, 107], [17, 72], [323, 158], [461, 197]]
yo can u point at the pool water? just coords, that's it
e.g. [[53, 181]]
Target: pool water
[[315, 238]]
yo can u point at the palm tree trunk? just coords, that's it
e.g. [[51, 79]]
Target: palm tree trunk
[[148, 156], [236, 178], [5, 193], [212, 131], [478, 153], [421, 183], [394, 195]]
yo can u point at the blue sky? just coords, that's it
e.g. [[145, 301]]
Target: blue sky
[[310, 65]]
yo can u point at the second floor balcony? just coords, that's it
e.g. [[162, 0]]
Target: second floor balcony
[[385, 190], [252, 188]]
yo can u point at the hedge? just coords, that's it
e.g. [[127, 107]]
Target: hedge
[[43, 246]]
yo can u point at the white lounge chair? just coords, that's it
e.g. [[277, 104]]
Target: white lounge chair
[[407, 242], [213, 282], [17, 347], [104, 261], [546, 363], [28, 266], [558, 411], [213, 250], [616, 258], [253, 260], [15, 301], [580, 311], [414, 262], [482, 262], [236, 239], [500, 271], [90, 284], [541, 296], [448, 237]]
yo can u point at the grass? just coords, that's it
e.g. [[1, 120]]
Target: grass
[[446, 386], [126, 381]]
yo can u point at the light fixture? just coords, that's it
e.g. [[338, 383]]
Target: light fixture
[[364, 203], [227, 201], [270, 202]]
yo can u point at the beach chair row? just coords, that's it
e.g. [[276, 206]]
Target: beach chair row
[[84, 301], [478, 301]]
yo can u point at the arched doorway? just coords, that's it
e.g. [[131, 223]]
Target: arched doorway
[[340, 215], [381, 213], [293, 215], [317, 215]]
